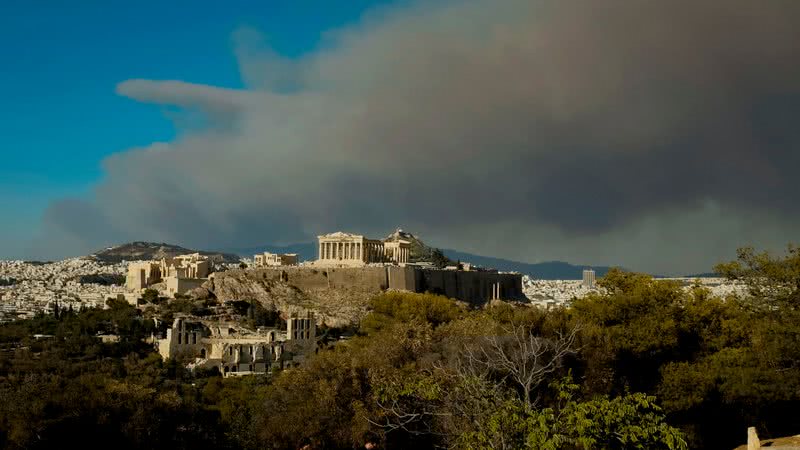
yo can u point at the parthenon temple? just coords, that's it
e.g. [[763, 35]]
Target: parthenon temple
[[345, 249]]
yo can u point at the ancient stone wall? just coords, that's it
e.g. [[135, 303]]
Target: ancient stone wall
[[341, 295], [403, 278], [362, 278]]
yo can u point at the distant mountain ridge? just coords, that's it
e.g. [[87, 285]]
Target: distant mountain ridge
[[549, 270], [134, 251]]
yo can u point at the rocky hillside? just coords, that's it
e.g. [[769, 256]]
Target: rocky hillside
[[135, 251], [332, 306]]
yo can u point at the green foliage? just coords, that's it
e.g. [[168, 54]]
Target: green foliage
[[150, 296], [439, 260], [48, 411], [715, 363], [630, 331], [256, 315], [391, 307], [73, 390], [773, 281], [629, 421], [169, 308], [401, 384]]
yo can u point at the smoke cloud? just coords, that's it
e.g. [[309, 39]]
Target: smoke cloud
[[655, 135]]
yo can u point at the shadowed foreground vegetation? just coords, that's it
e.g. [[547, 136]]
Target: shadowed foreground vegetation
[[647, 364]]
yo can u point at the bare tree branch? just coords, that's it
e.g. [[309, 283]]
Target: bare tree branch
[[519, 355]]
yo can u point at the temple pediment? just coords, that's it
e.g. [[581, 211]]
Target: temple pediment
[[340, 235]]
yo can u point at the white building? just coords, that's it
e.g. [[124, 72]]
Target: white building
[[353, 250], [235, 350], [588, 278], [268, 259]]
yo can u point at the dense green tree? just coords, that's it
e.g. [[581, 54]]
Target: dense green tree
[[150, 296], [773, 281], [439, 260], [629, 421]]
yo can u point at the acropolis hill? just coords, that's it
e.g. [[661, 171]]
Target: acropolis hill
[[340, 295], [350, 270]]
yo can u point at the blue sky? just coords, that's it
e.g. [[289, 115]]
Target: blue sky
[[61, 61]]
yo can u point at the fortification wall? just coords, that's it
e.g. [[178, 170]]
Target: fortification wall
[[341, 295], [373, 279], [403, 278], [470, 286]]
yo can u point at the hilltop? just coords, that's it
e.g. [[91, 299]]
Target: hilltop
[[134, 251], [551, 270], [307, 251]]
